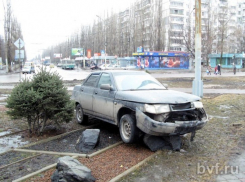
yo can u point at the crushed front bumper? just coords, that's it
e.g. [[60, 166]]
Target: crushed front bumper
[[152, 127]]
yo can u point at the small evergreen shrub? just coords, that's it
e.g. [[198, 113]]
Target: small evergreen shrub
[[42, 99]]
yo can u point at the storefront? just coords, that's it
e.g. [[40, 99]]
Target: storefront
[[162, 60], [227, 60], [127, 62], [101, 60]]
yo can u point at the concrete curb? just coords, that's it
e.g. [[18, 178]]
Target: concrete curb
[[55, 137], [39, 171], [54, 165], [120, 176], [103, 150], [19, 161], [51, 153]]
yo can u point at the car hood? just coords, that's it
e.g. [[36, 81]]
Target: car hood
[[156, 96]]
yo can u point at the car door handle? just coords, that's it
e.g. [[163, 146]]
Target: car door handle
[[95, 92], [81, 89]]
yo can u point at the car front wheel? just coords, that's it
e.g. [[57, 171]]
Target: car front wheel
[[128, 129], [81, 118]]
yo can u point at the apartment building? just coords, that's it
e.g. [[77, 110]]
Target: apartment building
[[168, 25]]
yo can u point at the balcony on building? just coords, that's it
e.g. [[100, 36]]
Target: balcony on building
[[176, 12], [177, 19], [174, 4]]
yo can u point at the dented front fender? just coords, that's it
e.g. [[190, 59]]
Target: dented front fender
[[152, 127]]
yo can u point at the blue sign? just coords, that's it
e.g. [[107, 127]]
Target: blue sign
[[140, 49], [102, 52]]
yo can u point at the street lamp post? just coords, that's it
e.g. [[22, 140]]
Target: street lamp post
[[105, 35]]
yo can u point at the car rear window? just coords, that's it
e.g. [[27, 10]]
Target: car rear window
[[92, 80]]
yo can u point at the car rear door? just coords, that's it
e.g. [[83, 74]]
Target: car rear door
[[87, 90], [103, 100]]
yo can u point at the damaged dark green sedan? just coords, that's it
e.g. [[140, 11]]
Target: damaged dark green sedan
[[137, 103]]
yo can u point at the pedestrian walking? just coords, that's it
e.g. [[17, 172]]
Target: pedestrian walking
[[209, 69], [216, 69], [234, 68], [219, 69]]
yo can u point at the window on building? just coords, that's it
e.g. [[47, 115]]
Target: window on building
[[173, 3], [175, 48], [176, 41], [178, 19], [176, 27], [177, 11]]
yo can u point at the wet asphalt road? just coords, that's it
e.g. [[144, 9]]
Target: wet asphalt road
[[80, 74]]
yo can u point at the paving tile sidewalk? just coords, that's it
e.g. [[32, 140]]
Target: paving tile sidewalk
[[235, 170]]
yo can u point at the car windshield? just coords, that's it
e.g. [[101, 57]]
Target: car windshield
[[27, 67], [136, 81]]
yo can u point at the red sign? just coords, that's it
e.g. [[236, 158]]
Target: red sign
[[89, 53], [96, 54]]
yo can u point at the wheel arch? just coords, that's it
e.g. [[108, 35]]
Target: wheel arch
[[123, 111]]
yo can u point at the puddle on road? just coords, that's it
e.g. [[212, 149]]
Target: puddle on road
[[5, 132], [219, 117], [11, 142], [225, 107], [3, 97]]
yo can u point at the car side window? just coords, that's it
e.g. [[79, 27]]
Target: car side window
[[92, 80], [104, 79]]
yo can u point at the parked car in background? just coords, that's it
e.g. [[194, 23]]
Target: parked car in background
[[108, 67], [137, 103], [28, 69], [102, 67], [51, 65], [59, 64], [112, 66]]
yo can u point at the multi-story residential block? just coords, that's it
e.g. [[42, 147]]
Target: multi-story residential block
[[169, 25]]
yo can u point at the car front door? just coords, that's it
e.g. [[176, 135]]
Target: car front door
[[103, 100], [87, 90]]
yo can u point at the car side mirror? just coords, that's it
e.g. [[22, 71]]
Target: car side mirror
[[165, 85], [106, 87]]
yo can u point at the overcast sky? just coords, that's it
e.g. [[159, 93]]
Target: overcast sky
[[46, 22]]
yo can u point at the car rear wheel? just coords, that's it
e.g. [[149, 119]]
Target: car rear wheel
[[81, 118], [128, 130]]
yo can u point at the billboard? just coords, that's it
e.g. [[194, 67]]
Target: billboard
[[140, 49], [57, 55], [89, 53], [77, 51], [97, 54]]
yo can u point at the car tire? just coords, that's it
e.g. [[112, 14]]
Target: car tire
[[80, 117], [128, 130]]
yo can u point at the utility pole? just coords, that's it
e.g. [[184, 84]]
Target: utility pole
[[197, 84]]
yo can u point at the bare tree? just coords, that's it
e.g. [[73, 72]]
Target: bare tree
[[12, 32], [188, 33], [224, 18], [239, 33], [208, 33]]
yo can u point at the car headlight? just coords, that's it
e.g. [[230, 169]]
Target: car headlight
[[198, 104], [156, 108]]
